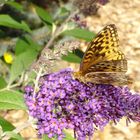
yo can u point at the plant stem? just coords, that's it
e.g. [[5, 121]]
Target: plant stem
[[37, 79]]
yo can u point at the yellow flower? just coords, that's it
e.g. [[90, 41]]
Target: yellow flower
[[8, 57]]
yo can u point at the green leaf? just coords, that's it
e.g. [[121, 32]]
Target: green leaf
[[7, 21], [68, 27], [25, 43], [2, 82], [64, 11], [15, 5], [21, 63], [68, 136], [74, 57], [24, 27], [80, 33], [61, 13], [31, 77], [34, 45], [2, 34], [45, 137], [11, 134], [10, 99], [21, 46], [6, 126], [44, 15]]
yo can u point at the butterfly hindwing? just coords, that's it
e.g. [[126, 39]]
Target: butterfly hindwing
[[113, 78]]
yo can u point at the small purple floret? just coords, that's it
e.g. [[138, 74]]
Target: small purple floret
[[63, 103], [103, 2]]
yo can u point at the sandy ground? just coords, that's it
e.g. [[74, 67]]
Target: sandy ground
[[126, 15]]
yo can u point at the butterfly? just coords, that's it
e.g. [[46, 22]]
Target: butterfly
[[103, 61]]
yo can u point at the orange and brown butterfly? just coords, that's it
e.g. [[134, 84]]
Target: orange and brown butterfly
[[103, 61]]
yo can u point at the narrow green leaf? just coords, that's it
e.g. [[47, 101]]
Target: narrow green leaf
[[7, 21], [6, 126], [2, 82], [21, 46], [21, 63], [15, 5], [25, 43], [44, 15], [33, 44], [25, 27], [11, 134], [61, 13], [64, 11], [45, 137], [10, 99], [71, 57], [79, 53], [80, 33]]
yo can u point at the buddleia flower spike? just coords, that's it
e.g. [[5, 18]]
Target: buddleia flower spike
[[63, 102]]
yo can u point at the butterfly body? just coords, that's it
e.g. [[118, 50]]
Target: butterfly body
[[103, 61]]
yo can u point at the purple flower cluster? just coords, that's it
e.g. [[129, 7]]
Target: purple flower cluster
[[89, 7], [103, 2], [63, 102]]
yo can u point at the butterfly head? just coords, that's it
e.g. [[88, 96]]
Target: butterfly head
[[79, 76]]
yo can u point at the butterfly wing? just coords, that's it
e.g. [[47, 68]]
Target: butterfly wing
[[103, 53], [108, 72], [113, 78], [109, 66]]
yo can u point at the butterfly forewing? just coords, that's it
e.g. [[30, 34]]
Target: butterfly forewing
[[104, 47], [109, 66]]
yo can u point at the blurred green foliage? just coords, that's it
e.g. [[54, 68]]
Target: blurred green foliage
[[25, 29]]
